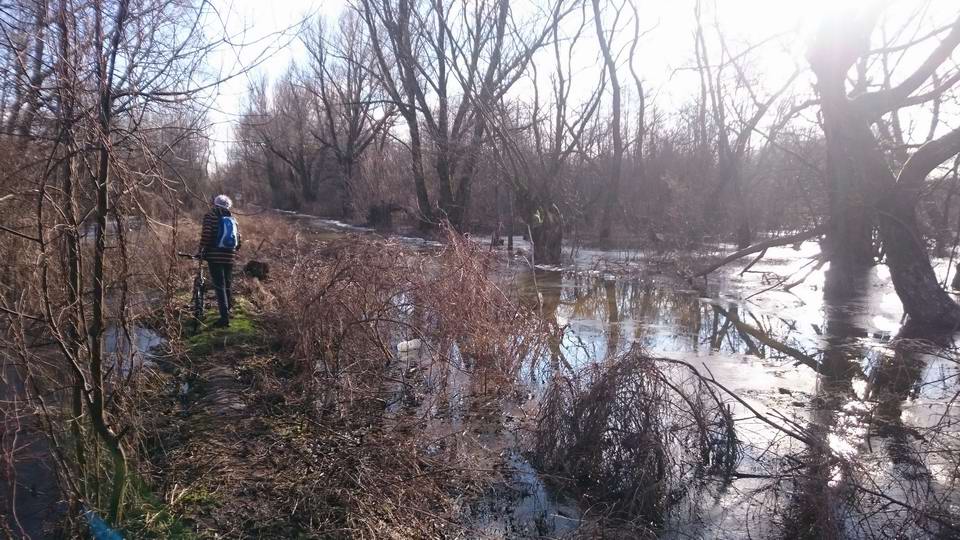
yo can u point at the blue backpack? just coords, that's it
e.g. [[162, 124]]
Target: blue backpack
[[229, 234]]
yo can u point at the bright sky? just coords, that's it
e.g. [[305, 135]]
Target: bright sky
[[263, 32], [662, 54]]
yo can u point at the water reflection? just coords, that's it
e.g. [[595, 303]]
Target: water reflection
[[824, 356], [602, 315]]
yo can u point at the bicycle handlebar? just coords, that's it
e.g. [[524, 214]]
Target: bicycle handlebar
[[188, 255]]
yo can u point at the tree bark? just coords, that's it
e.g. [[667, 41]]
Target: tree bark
[[913, 276], [850, 145], [347, 167]]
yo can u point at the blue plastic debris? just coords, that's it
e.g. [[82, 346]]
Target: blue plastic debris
[[99, 528]]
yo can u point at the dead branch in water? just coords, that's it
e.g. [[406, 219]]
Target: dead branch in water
[[762, 246], [765, 338]]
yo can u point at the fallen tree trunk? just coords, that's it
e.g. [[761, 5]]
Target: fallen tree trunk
[[773, 242]]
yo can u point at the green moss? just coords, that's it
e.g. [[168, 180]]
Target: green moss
[[198, 498], [243, 331], [148, 514], [150, 517]]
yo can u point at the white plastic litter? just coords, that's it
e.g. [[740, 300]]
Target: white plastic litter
[[408, 346]]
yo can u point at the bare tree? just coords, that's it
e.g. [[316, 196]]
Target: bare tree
[[538, 142], [864, 189], [616, 166], [349, 105], [29, 55], [87, 160], [742, 128], [446, 65], [285, 132]]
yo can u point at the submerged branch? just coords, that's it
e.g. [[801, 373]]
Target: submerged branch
[[779, 426]]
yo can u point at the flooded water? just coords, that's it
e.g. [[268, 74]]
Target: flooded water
[[30, 491], [131, 350], [839, 363]]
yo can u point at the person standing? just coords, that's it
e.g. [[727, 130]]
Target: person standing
[[219, 243]]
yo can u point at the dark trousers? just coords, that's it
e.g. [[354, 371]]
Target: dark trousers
[[222, 276]]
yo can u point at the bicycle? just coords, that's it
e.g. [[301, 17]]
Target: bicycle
[[198, 297]]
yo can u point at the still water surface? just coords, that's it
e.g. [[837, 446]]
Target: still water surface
[[840, 361]]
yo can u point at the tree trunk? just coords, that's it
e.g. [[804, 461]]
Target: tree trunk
[[444, 182], [851, 184], [546, 234], [510, 221], [277, 191], [106, 65], [863, 190], [744, 233], [347, 167], [913, 277], [74, 264], [849, 242], [616, 166], [419, 178], [857, 172], [303, 174]]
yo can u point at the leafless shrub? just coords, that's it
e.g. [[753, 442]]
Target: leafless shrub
[[493, 334], [344, 306], [634, 433], [336, 310]]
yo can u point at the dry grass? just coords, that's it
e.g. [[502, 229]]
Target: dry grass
[[344, 306]]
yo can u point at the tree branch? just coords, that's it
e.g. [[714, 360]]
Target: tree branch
[[928, 158], [773, 242], [883, 101]]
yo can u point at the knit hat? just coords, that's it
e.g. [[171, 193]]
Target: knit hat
[[222, 201]]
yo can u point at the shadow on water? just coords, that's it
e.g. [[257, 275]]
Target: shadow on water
[[882, 420], [29, 493]]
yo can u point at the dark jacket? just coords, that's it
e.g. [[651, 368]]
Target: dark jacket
[[208, 238]]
